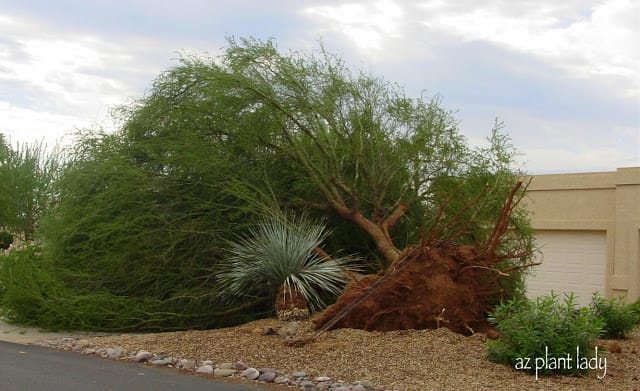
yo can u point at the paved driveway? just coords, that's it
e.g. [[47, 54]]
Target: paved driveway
[[33, 368]]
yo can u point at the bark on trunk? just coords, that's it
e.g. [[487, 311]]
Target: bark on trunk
[[291, 305], [378, 232]]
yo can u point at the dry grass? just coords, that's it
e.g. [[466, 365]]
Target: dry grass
[[403, 360]]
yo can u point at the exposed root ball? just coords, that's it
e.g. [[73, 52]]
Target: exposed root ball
[[434, 289]]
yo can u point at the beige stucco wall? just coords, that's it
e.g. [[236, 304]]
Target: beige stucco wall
[[603, 201]]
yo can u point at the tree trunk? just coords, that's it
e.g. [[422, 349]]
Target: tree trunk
[[378, 232], [291, 305], [381, 238]]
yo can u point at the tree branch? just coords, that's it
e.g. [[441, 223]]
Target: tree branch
[[399, 211]]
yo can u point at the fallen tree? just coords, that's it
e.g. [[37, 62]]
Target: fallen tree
[[398, 170], [434, 284]]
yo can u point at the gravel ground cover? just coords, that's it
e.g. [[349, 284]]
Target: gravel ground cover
[[397, 360]]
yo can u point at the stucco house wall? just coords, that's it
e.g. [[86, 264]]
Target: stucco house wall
[[606, 203]]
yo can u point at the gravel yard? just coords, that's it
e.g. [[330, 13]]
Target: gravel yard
[[402, 360]]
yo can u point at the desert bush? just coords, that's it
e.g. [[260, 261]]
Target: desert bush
[[32, 293], [544, 327], [618, 317], [24, 285], [136, 234]]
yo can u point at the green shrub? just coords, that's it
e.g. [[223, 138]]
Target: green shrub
[[5, 240], [635, 308], [24, 285], [31, 293], [544, 328], [618, 317]]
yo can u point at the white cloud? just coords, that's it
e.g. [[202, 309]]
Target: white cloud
[[55, 81], [22, 125], [584, 160], [368, 25], [585, 38], [563, 145], [601, 39]]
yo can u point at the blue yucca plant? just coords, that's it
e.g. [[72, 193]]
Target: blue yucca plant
[[281, 257]]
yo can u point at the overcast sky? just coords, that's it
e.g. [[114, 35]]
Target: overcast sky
[[563, 75]]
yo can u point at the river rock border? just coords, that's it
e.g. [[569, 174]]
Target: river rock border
[[297, 379]]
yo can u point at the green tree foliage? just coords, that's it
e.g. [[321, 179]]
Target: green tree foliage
[[355, 146], [27, 175], [144, 225]]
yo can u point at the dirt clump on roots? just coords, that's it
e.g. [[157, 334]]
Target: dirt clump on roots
[[433, 287], [437, 283]]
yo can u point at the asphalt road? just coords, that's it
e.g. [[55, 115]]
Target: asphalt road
[[32, 368]]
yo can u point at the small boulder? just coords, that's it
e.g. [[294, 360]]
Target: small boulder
[[142, 356], [223, 372], [185, 364], [268, 377], [251, 374], [282, 380], [206, 369], [366, 384], [114, 353], [162, 361]]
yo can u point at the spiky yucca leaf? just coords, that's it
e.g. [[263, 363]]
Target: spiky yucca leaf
[[280, 251]]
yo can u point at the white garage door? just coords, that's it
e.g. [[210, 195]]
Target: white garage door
[[572, 261]]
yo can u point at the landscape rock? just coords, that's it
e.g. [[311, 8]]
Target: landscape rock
[[206, 369], [268, 377], [186, 364], [162, 361], [368, 386], [142, 356], [322, 386], [282, 380], [224, 372], [307, 384], [251, 373], [114, 353], [80, 345], [290, 329]]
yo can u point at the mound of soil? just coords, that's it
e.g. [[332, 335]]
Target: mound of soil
[[433, 287]]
